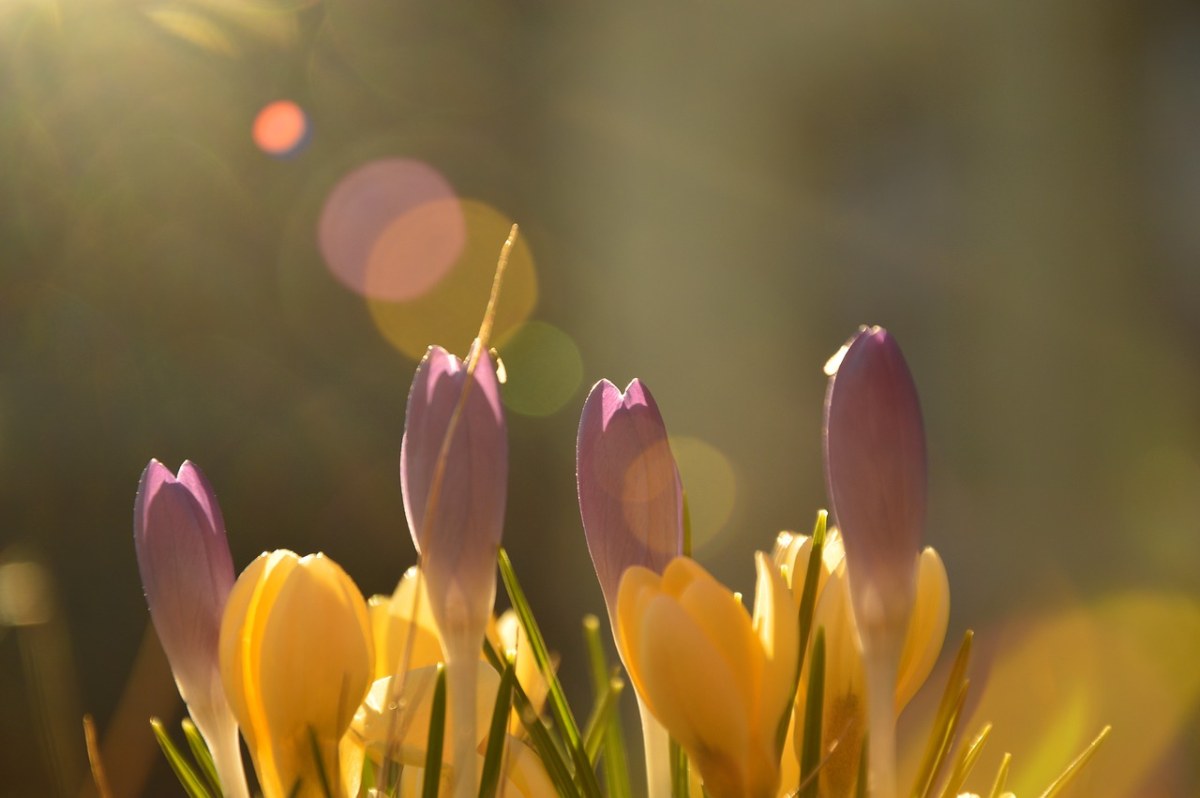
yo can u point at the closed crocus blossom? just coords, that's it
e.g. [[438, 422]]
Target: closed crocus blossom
[[454, 475], [631, 503], [296, 660], [719, 681], [455, 491], [187, 573], [875, 472], [630, 494]]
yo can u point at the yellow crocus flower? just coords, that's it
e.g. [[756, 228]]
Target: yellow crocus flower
[[296, 656], [844, 719], [718, 680]]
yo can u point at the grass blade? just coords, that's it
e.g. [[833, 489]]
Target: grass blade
[[945, 722], [1001, 776], [860, 786], [1073, 769], [966, 761], [615, 759], [603, 713], [326, 788], [201, 754], [540, 737], [497, 733], [437, 735], [808, 603], [814, 708], [191, 782], [679, 770], [584, 775]]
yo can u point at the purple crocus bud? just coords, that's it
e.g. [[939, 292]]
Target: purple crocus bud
[[187, 573], [454, 475], [630, 494], [875, 472], [455, 490]]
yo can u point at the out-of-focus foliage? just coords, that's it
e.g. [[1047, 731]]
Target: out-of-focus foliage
[[711, 197]]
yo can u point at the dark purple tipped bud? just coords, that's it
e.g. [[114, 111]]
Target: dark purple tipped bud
[[630, 494], [875, 472]]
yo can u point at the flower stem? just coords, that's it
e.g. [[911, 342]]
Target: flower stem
[[882, 663], [658, 754], [227, 757], [461, 677]]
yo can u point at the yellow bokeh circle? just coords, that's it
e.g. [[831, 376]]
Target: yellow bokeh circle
[[450, 312]]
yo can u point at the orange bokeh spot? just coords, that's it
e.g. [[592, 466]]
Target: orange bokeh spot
[[280, 128]]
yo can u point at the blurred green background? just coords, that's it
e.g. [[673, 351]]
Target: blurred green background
[[712, 197]]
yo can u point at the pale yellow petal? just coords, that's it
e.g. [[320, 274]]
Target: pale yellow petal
[[926, 628], [691, 686], [246, 614], [314, 667], [730, 633], [403, 629], [638, 587], [775, 623], [400, 719], [526, 775], [511, 636]]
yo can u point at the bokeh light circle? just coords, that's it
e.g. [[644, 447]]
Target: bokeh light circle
[[544, 369], [392, 229], [281, 128], [711, 486], [448, 314]]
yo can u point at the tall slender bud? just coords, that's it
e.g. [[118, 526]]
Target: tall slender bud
[[454, 475], [875, 470], [631, 502], [454, 499], [630, 494], [187, 573]]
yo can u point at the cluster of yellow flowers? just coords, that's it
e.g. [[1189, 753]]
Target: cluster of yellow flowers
[[426, 692]]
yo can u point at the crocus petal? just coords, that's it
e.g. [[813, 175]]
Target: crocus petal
[[630, 494], [296, 657], [926, 630], [404, 630], [511, 636], [723, 619], [397, 709], [775, 626], [692, 685], [187, 572], [459, 536], [875, 469], [701, 667]]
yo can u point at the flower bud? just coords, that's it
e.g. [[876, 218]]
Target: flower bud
[[875, 472], [717, 680], [187, 573], [630, 494], [296, 660], [454, 492], [454, 474]]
